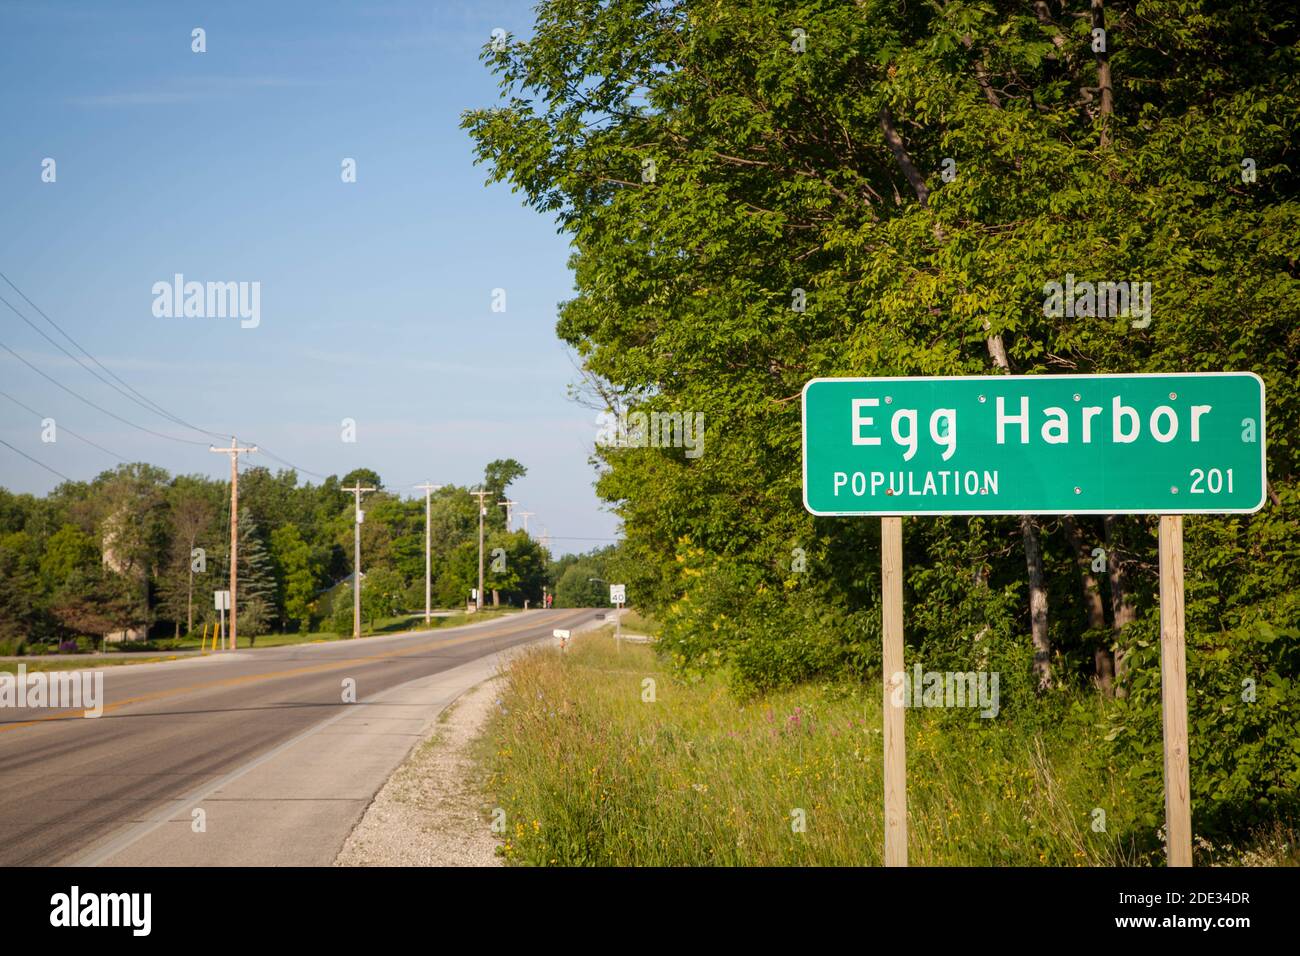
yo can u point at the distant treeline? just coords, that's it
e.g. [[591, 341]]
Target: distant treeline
[[137, 550]]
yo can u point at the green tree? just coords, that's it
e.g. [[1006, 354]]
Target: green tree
[[67, 552], [295, 573], [193, 506], [576, 587], [515, 567], [382, 595], [258, 595], [498, 475], [890, 197], [20, 590], [582, 580], [99, 602], [459, 574]]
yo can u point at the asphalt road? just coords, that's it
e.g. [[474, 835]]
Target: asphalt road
[[194, 732]]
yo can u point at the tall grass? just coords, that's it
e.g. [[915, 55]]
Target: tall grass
[[589, 773]]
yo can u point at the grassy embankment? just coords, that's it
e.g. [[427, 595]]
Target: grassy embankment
[[589, 773]]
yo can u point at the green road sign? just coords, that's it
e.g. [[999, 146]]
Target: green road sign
[[1034, 444]]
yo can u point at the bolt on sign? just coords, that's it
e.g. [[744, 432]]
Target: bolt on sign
[[1176, 444], [1035, 444]]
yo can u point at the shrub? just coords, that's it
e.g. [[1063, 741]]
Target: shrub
[[1243, 724]]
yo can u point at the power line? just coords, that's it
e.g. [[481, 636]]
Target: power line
[[93, 405], [142, 400], [34, 461], [290, 464], [45, 335], [63, 427], [158, 409]]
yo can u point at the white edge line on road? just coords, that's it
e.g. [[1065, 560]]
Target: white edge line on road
[[170, 808], [142, 829]]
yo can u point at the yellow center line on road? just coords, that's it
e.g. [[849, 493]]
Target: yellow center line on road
[[269, 675]]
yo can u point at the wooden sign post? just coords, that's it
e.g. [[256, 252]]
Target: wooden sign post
[[895, 772], [1163, 444], [1173, 694], [617, 597]]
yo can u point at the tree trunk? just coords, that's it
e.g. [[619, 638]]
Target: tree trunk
[[1103, 74], [1121, 602], [1103, 664], [998, 353], [903, 158], [1037, 603], [1033, 558]]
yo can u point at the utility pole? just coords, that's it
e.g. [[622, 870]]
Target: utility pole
[[428, 607], [360, 516], [526, 515], [482, 510], [510, 510], [234, 451]]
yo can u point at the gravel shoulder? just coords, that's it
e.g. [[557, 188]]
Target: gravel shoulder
[[430, 811]]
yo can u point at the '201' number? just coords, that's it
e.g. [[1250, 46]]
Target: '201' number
[[1211, 481]]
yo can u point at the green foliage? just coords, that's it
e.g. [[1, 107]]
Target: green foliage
[[714, 180], [20, 616], [98, 602], [773, 172], [255, 615], [295, 573], [769, 640], [524, 570], [168, 539], [1243, 725], [257, 596], [582, 580], [382, 594], [498, 475], [589, 774], [67, 552], [341, 616], [459, 574]]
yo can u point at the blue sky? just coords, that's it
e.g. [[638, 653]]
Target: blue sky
[[225, 166]]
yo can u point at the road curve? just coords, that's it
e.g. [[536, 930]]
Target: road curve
[[70, 784]]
